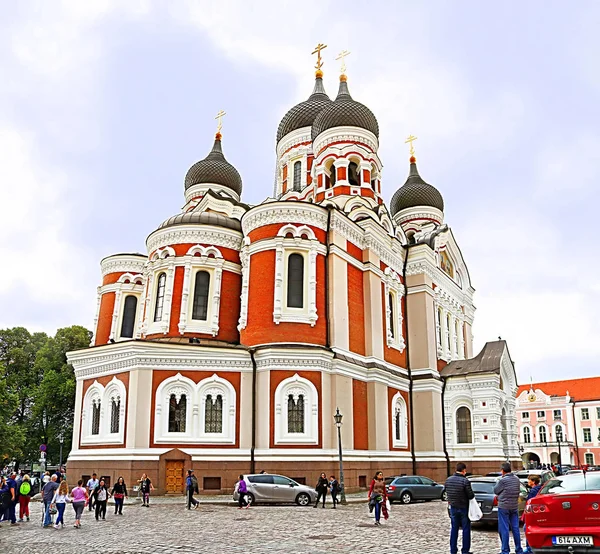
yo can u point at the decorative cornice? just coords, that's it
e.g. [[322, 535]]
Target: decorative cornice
[[204, 234], [123, 263], [346, 134], [284, 212]]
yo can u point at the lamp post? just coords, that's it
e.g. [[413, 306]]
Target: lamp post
[[338, 423], [61, 439]]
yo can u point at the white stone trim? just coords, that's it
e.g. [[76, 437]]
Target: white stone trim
[[135, 287], [97, 392], [245, 292], [158, 265], [393, 285], [194, 234], [284, 212], [398, 409], [296, 385], [419, 213], [132, 263], [346, 134]]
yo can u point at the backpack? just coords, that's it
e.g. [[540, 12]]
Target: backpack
[[25, 488], [194, 483]]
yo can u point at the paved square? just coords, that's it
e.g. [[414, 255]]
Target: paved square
[[168, 527]]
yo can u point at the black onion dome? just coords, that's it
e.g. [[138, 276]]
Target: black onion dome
[[304, 114], [345, 111], [416, 192], [206, 218], [214, 169]]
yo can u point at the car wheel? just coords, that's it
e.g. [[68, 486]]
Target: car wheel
[[250, 498], [406, 498], [445, 496], [303, 499]]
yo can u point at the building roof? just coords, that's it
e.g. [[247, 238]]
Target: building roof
[[415, 192], [487, 361], [202, 218], [587, 388]]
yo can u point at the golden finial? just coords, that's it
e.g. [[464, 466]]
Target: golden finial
[[341, 56], [219, 118], [320, 62], [410, 141]]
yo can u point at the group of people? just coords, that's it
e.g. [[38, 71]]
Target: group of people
[[507, 490], [324, 486]]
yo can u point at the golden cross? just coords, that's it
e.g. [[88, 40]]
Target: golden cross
[[220, 122], [317, 51], [341, 56], [410, 141]]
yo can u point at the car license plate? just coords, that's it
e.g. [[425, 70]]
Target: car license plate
[[579, 540]]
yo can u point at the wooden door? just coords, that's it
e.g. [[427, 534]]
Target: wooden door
[[174, 482]]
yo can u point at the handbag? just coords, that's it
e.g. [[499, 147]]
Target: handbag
[[118, 496], [52, 510], [475, 513]]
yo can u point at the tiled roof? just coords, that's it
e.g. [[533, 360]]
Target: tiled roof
[[579, 389]]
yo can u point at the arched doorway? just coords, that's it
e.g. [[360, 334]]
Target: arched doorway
[[530, 460], [554, 458]]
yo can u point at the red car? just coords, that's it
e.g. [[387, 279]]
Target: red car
[[565, 516]]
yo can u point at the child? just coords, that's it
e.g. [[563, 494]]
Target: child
[[534, 488]]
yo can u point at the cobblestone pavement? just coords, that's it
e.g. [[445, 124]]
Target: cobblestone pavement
[[169, 527]]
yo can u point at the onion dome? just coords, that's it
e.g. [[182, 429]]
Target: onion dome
[[205, 218], [416, 192], [304, 114], [214, 169], [345, 111]]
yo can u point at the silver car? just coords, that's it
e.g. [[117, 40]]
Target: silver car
[[276, 489]]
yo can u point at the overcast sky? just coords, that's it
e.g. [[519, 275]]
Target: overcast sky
[[104, 105]]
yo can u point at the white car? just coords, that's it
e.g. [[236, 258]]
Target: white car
[[276, 489]]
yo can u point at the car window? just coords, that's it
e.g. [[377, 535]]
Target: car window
[[279, 480], [482, 487], [389, 480], [427, 481], [263, 479], [411, 481], [572, 483]]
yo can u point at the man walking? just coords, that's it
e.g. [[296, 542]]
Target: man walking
[[334, 487], [191, 486], [508, 489], [47, 496], [459, 492], [91, 487], [14, 498]]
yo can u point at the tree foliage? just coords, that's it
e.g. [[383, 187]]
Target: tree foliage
[[37, 391]]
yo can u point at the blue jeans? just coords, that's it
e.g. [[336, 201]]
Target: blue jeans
[[460, 519], [377, 511], [60, 508], [508, 521], [47, 516]]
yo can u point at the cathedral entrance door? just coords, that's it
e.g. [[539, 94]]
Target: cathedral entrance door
[[174, 478]]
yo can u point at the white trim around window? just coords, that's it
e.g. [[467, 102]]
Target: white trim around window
[[394, 289], [115, 390], [296, 386], [399, 421]]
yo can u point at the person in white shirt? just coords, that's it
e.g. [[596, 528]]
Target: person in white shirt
[[61, 497], [92, 484]]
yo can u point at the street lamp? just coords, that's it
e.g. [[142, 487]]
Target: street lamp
[[61, 439], [338, 423]]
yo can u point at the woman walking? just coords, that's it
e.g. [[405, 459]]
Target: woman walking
[[60, 501], [5, 499], [145, 488], [242, 489], [119, 493], [25, 494], [79, 497], [377, 495], [100, 497], [321, 488]]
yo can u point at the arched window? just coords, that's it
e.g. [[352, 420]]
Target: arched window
[[295, 417], [297, 176], [177, 413], [201, 288], [96, 417], [160, 297], [543, 435], [526, 434], [559, 433], [295, 281], [332, 175], [392, 314], [128, 323], [463, 425], [115, 414], [353, 178], [439, 327], [213, 414], [448, 330]]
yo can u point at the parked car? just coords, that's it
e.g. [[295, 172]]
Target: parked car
[[545, 475], [574, 471], [565, 515], [494, 474], [277, 489], [483, 487], [408, 488]]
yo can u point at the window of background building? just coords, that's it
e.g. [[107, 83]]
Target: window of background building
[[597, 413], [542, 432], [541, 414], [587, 435], [585, 413], [557, 414], [525, 415], [589, 458], [526, 435]]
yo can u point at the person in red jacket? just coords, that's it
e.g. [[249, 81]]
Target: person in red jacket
[[378, 496]]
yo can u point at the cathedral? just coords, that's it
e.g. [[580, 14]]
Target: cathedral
[[228, 347]]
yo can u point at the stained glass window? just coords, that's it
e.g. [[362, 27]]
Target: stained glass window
[[177, 414], [115, 414], [96, 418], [213, 415], [295, 414]]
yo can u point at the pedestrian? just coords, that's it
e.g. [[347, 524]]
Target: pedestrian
[[100, 497], [334, 488], [14, 493], [79, 497], [459, 492], [534, 488], [61, 497], [5, 498], [242, 490], [191, 486], [377, 495], [145, 487], [119, 493], [47, 495], [25, 494], [91, 486], [321, 489], [508, 489], [46, 478]]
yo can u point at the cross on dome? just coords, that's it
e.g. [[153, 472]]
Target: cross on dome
[[341, 56], [320, 62], [410, 140], [219, 118]]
